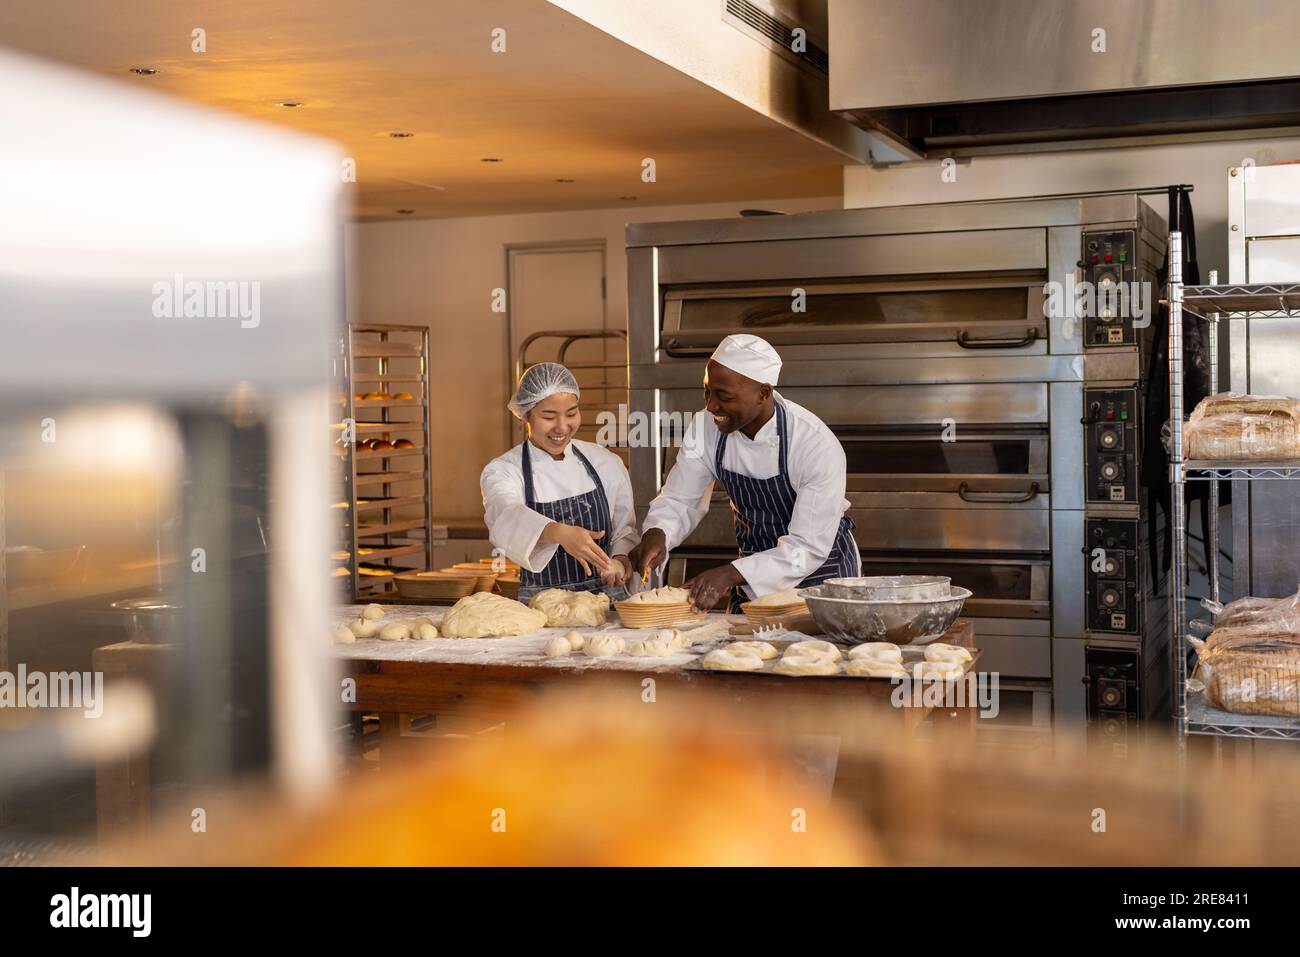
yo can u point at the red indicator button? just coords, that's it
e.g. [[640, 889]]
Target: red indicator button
[[1108, 257], [1110, 413]]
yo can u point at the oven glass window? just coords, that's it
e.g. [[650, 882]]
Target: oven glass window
[[932, 457], [1003, 581], [927, 307]]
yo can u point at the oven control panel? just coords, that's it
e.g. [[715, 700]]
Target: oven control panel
[[1110, 445], [1113, 704], [1111, 548], [1108, 264]]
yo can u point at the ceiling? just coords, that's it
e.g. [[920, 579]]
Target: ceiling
[[564, 101]]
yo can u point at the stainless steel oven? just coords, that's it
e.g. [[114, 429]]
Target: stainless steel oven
[[932, 341]]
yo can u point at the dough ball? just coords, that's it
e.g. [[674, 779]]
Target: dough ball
[[564, 608], [941, 652], [807, 665], [778, 599], [603, 646], [761, 648], [575, 640], [868, 667], [813, 647], [487, 615], [421, 621], [940, 670], [661, 596], [877, 650], [374, 612], [651, 648], [364, 628], [395, 631], [732, 659], [423, 630], [343, 635], [557, 647]]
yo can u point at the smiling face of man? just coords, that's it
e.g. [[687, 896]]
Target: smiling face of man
[[735, 401]]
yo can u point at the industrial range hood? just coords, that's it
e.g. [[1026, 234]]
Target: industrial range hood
[[941, 77]]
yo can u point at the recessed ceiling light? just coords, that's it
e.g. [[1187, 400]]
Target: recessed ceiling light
[[144, 70], [401, 135], [566, 181], [628, 199], [405, 212], [290, 104], [491, 159]]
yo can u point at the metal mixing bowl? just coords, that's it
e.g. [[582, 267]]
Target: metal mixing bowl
[[896, 587], [853, 620]]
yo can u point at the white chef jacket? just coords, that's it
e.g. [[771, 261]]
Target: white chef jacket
[[816, 467], [514, 528]]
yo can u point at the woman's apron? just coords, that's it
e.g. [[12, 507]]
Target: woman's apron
[[762, 509], [590, 510]]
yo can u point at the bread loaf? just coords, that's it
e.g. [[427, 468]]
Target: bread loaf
[[1252, 682], [1233, 426]]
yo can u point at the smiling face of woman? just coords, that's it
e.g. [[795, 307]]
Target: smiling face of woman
[[553, 422]]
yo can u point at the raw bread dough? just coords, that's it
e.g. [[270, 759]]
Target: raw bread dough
[[569, 608], [661, 596], [651, 648], [942, 670], [813, 647], [575, 640], [672, 636], [485, 615], [374, 612], [941, 652], [557, 647], [364, 628], [807, 665], [395, 631], [423, 630], [732, 659], [764, 650], [602, 646], [343, 635], [877, 650], [778, 598], [868, 667]]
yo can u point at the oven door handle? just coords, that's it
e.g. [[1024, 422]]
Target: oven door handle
[[967, 343], [966, 495]]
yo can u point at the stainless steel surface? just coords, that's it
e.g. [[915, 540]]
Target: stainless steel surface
[[933, 72], [962, 461], [1264, 219], [151, 620], [879, 587], [904, 622]]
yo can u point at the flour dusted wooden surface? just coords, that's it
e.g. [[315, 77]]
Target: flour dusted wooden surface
[[524, 650]]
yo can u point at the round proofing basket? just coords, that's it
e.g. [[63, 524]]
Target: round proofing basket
[[641, 615], [435, 586]]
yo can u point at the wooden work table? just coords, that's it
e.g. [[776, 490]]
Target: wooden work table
[[490, 677]]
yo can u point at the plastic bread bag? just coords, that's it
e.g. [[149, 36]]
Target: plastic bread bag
[[1258, 681], [1233, 426], [1244, 611]]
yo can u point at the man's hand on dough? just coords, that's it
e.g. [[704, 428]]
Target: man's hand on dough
[[650, 553], [708, 587]]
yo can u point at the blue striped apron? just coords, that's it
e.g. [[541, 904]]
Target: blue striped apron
[[590, 510], [762, 508]]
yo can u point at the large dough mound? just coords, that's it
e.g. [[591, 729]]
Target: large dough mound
[[485, 615], [568, 609], [661, 596]]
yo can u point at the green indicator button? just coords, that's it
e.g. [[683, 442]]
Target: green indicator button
[[1110, 542], [1123, 414], [1123, 257]]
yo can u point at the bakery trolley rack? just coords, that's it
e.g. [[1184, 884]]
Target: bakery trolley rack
[[387, 526], [1192, 713]]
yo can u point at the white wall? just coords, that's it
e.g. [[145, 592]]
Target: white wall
[[442, 272], [1203, 165]]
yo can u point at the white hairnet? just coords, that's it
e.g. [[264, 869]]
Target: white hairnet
[[540, 381]]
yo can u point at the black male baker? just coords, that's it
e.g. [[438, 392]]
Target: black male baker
[[783, 469]]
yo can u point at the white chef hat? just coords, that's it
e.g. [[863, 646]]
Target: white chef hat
[[540, 381], [750, 356]]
